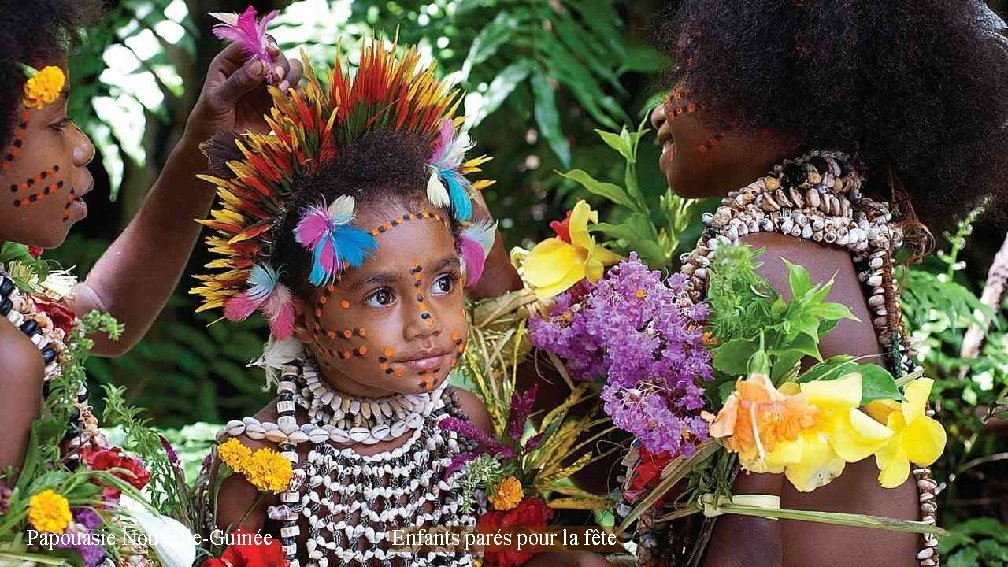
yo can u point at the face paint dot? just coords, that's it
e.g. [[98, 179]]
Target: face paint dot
[[59, 184], [14, 188], [388, 371], [347, 334], [345, 304], [398, 372], [323, 299], [389, 352], [331, 334], [419, 297], [362, 332], [425, 315]]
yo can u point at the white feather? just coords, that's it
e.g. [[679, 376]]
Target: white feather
[[276, 354], [437, 193], [341, 211]]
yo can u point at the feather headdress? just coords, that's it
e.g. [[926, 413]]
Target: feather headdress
[[390, 90]]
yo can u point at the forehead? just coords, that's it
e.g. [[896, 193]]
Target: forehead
[[406, 237]]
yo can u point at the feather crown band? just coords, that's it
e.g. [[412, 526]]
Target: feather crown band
[[390, 90]]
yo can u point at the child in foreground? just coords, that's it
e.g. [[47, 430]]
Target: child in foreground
[[345, 228]]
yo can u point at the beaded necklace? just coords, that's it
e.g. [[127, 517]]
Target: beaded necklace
[[25, 313], [346, 502], [818, 197]]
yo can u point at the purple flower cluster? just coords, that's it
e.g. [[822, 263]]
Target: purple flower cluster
[[85, 522], [630, 330]]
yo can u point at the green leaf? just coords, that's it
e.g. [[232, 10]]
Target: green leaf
[[832, 311], [616, 231], [489, 39], [501, 88], [877, 384], [832, 368], [732, 358], [798, 279], [548, 118], [619, 142], [608, 190]]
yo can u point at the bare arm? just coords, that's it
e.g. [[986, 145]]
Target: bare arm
[[752, 541], [135, 276], [20, 393]]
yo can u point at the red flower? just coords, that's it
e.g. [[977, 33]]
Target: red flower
[[245, 552], [562, 228], [647, 470], [34, 251], [108, 459], [530, 513], [62, 317]]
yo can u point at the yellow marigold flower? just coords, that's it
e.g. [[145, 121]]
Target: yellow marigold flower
[[269, 471], [917, 438], [44, 87], [762, 424], [49, 512], [234, 454], [556, 264], [507, 494]]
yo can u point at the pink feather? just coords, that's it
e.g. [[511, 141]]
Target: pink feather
[[241, 306], [444, 141], [249, 33], [313, 226], [474, 257], [328, 258], [279, 311]]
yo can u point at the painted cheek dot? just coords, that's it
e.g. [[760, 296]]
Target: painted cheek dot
[[345, 304], [361, 350], [398, 372]]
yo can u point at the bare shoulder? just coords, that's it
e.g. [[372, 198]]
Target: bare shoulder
[[20, 358], [473, 409], [822, 262]]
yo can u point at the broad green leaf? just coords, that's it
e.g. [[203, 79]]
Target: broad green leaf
[[877, 384], [832, 311], [732, 357], [548, 118], [501, 88], [608, 190]]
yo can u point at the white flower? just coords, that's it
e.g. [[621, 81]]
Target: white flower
[[173, 543], [985, 380]]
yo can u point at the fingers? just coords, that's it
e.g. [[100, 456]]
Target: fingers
[[293, 75], [241, 82], [229, 60], [286, 73]]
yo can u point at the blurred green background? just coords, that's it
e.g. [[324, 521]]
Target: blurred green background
[[541, 76]]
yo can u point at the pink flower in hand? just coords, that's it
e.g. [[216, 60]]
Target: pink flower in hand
[[246, 31]]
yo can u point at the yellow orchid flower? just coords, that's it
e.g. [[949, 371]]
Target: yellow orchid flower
[[917, 438], [842, 433], [556, 264]]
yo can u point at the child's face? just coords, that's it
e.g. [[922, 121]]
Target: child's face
[[43, 176], [396, 324]]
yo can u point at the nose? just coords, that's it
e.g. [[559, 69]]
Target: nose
[[422, 323], [83, 149], [658, 116]]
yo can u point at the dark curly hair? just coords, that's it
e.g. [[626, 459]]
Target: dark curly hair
[[917, 89], [380, 169], [35, 33]]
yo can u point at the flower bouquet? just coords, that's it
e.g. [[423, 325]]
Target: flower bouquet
[[517, 478], [77, 499], [709, 389]]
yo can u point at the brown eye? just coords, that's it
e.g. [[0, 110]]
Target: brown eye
[[444, 284], [380, 298]]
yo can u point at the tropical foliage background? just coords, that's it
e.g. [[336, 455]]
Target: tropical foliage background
[[542, 76]]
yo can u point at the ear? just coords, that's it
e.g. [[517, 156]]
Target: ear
[[304, 321]]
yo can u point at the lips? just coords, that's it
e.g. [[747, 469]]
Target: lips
[[425, 360]]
